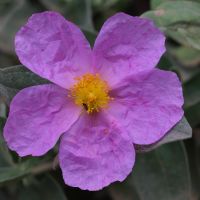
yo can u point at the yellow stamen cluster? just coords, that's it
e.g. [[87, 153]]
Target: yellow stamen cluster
[[91, 93]]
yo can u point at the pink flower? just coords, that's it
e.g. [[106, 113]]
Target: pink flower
[[103, 101]]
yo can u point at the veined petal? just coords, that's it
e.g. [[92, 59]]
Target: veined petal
[[38, 116], [53, 48], [148, 105], [96, 151], [126, 45]]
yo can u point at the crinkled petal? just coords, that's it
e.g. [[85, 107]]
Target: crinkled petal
[[148, 105], [38, 116], [126, 45], [95, 152], [53, 48]]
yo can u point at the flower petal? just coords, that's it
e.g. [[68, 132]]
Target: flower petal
[[96, 151], [126, 45], [53, 48], [148, 105], [38, 116]]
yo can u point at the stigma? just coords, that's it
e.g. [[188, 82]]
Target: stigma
[[90, 93]]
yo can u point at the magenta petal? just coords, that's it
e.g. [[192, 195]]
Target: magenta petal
[[53, 48], [126, 45], [148, 105], [38, 116], [95, 152]]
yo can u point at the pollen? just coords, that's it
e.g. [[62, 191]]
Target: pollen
[[90, 93]]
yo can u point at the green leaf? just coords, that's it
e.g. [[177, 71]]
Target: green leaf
[[14, 157], [47, 189], [156, 3], [170, 13], [8, 93], [10, 174], [163, 173], [4, 160], [19, 77], [2, 110], [192, 149], [187, 56], [123, 190], [2, 124], [180, 131], [186, 34], [14, 79], [178, 19]]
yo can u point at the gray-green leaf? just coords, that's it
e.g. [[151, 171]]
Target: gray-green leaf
[[9, 174], [178, 19], [47, 189], [163, 173], [2, 124], [14, 79], [156, 3], [180, 131]]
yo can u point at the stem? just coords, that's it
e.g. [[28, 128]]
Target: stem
[[42, 168]]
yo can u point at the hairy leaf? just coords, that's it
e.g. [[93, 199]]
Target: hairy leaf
[[180, 131], [14, 79], [163, 173], [178, 19]]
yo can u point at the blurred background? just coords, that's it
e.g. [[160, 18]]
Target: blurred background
[[168, 172]]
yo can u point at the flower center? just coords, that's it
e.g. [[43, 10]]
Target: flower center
[[91, 93]]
